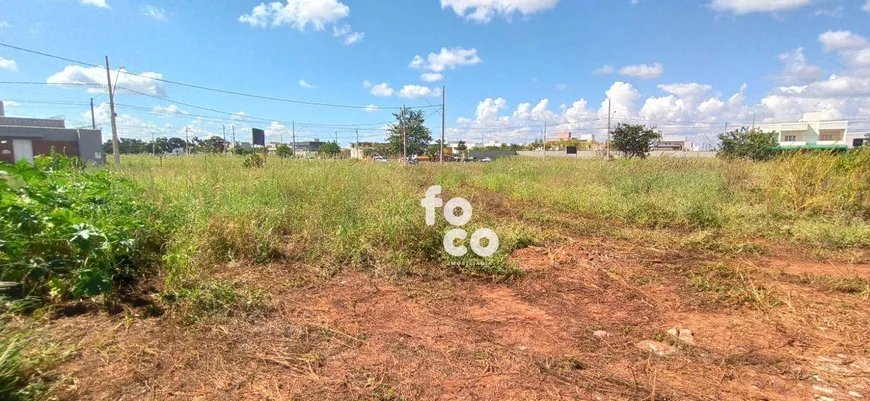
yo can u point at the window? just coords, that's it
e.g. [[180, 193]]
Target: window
[[826, 138], [790, 138]]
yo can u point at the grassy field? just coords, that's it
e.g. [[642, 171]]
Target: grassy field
[[349, 213], [318, 269]]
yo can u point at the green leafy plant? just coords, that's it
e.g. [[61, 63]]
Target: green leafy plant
[[747, 144], [634, 140], [72, 234], [284, 151], [253, 160]]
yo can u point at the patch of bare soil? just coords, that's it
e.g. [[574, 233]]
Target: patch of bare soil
[[568, 329], [799, 267]]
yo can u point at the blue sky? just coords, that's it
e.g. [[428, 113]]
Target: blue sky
[[688, 67]]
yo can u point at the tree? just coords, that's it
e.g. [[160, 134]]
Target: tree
[[747, 144], [434, 150], [213, 144], [330, 148], [461, 146], [378, 149], [634, 140], [417, 134], [284, 151]]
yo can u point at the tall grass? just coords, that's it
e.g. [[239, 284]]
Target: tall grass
[[339, 213]]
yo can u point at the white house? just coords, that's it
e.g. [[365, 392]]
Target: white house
[[673, 142], [812, 132]]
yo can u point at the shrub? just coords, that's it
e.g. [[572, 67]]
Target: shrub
[[73, 234], [284, 151], [747, 144], [253, 160]]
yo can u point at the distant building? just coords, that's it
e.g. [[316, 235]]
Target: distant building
[[566, 136], [240, 145], [23, 138], [309, 146], [811, 132], [562, 136], [673, 143]]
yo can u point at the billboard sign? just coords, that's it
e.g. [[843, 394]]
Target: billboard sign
[[259, 136]]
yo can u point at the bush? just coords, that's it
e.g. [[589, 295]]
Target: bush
[[73, 234], [254, 160], [634, 140], [284, 151], [747, 144]]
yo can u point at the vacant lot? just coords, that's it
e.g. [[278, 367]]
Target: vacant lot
[[321, 280]]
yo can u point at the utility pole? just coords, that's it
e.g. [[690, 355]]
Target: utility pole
[[545, 139], [153, 153], [115, 151], [336, 137], [753, 122], [93, 120], [358, 149], [607, 145], [234, 137], [186, 142], [443, 117], [404, 138], [224, 128], [294, 138]]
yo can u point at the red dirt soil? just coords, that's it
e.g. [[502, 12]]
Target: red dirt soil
[[356, 336]]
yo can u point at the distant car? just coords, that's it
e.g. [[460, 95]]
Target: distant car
[[470, 159], [412, 161], [486, 159], [380, 159]]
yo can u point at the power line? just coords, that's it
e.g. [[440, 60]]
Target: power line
[[225, 91]]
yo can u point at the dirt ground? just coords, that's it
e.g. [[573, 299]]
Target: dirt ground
[[571, 328]]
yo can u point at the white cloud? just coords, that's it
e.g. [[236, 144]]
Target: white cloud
[[8, 65], [866, 6], [605, 69], [275, 130], [306, 85], [239, 116], [740, 7], [10, 103], [835, 41], [4, 24], [171, 109], [96, 3], [418, 92], [686, 90], [483, 10], [796, 68], [417, 62], [561, 87], [96, 75], [366, 84], [128, 126], [382, 90], [835, 12], [372, 108], [431, 76], [297, 13], [354, 37], [643, 71], [346, 32], [158, 14], [683, 112], [446, 59]]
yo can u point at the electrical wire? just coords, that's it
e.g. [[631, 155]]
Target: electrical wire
[[206, 88]]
